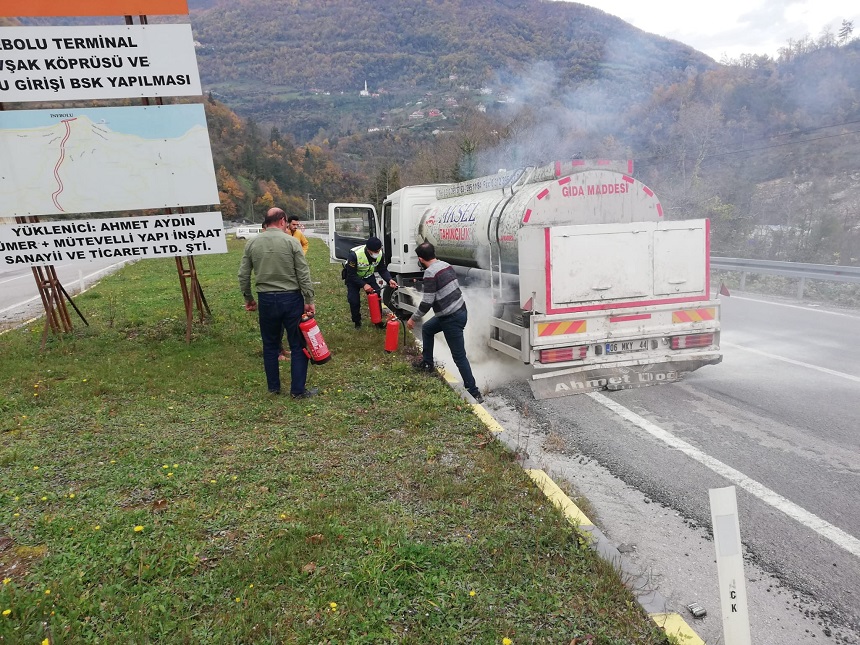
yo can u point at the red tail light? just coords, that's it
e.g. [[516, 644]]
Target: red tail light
[[694, 340], [563, 354]]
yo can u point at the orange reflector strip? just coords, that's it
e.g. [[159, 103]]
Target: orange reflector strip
[[561, 328], [17, 8], [693, 315]]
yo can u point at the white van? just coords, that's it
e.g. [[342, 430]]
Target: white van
[[244, 232]]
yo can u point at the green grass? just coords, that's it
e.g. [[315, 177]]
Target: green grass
[[152, 491]]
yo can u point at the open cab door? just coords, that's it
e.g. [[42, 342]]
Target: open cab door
[[349, 225]]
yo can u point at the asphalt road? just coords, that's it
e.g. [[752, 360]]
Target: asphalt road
[[19, 296], [779, 419]]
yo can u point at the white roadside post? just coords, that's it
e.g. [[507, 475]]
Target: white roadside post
[[730, 566]]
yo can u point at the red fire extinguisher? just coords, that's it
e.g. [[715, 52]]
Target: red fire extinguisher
[[375, 307], [315, 348], [392, 334]]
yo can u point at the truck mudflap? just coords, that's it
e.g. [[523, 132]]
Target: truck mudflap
[[625, 375]]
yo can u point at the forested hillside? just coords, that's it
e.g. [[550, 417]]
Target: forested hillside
[[301, 64], [259, 170]]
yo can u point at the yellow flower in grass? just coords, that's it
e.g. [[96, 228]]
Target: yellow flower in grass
[[333, 606], [47, 592], [473, 593], [6, 581], [46, 642], [238, 600], [507, 641], [6, 612], [138, 528]]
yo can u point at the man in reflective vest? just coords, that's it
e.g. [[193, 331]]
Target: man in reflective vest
[[361, 265]]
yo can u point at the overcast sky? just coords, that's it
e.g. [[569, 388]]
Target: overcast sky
[[734, 27]]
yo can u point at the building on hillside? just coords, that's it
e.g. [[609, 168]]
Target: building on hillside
[[364, 92], [417, 114]]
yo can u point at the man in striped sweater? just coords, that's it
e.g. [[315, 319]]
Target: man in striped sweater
[[442, 294]]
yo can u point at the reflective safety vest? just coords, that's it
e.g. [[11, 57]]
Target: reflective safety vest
[[365, 267]]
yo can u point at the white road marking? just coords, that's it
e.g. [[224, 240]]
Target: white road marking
[[775, 357], [807, 308], [836, 535]]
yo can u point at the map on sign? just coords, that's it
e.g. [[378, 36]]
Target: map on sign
[[65, 161]]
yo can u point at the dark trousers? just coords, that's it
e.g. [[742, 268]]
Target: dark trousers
[[353, 297], [279, 311], [452, 327]]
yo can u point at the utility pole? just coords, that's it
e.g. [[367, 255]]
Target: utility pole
[[314, 207], [308, 209]]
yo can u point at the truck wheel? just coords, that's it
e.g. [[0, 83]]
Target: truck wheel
[[390, 300]]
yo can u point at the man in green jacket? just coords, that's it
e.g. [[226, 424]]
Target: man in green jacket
[[284, 293]]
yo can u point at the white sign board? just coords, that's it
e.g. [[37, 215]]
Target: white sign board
[[730, 566], [158, 236], [87, 160], [108, 62]]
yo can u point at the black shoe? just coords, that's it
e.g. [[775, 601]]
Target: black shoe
[[381, 325], [477, 396], [421, 366], [307, 394], [358, 325]]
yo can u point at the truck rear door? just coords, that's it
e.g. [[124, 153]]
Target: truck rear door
[[349, 225]]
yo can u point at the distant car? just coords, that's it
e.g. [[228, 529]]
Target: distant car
[[245, 232]]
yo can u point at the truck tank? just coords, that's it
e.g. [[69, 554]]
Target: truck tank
[[475, 223]]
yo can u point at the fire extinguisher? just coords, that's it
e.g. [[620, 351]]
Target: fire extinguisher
[[392, 334], [315, 348], [375, 307]]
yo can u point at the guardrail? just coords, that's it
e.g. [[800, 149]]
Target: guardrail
[[788, 269]]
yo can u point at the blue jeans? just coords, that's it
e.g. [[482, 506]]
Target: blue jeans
[[280, 310], [452, 327]]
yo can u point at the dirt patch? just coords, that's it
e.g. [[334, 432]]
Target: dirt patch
[[15, 561]]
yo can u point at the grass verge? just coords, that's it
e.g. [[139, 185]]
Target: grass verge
[[152, 491]]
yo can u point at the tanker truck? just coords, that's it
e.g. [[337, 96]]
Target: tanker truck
[[589, 284]]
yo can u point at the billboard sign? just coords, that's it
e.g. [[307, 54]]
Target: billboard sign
[[87, 160], [108, 62], [67, 241]]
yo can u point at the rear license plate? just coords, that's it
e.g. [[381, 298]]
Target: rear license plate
[[626, 346]]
